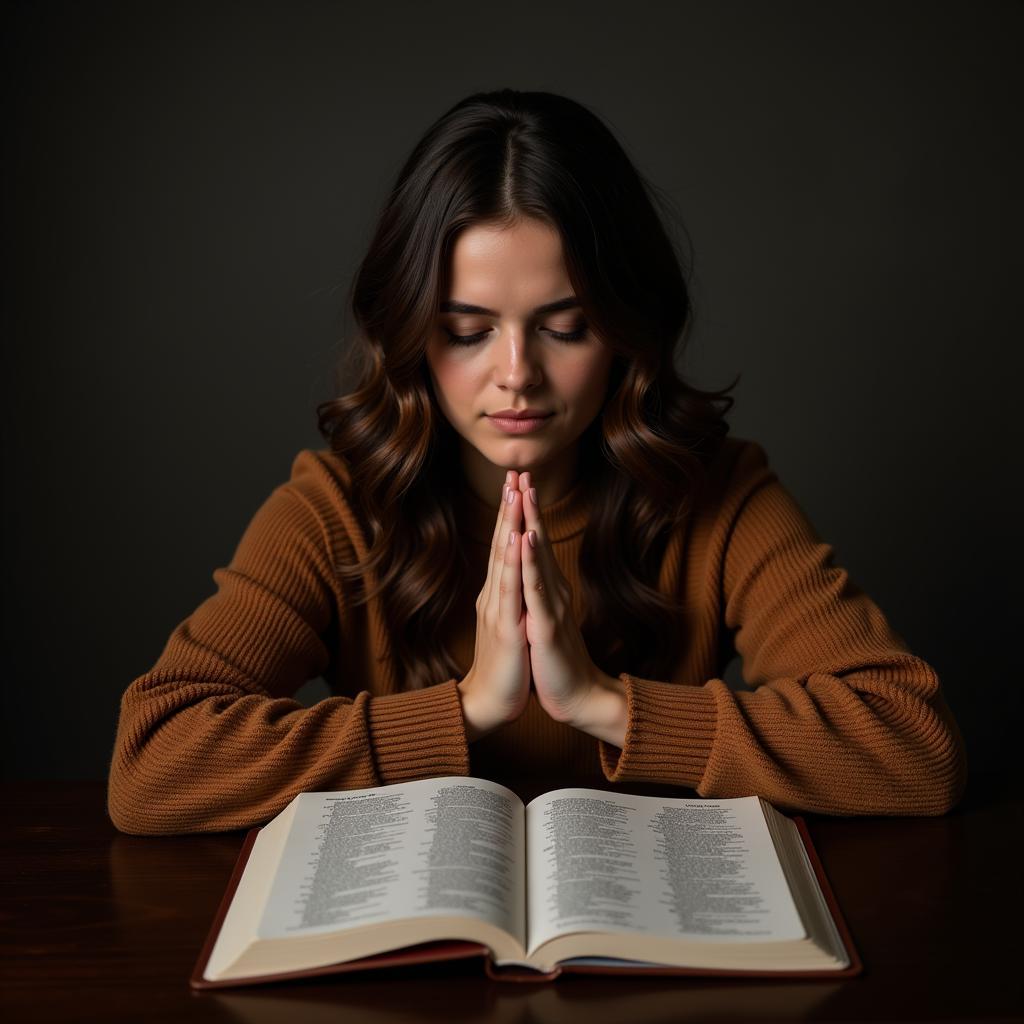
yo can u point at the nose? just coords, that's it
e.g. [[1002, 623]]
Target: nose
[[517, 365]]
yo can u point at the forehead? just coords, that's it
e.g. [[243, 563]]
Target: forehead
[[493, 265]]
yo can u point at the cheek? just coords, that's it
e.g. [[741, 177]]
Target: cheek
[[584, 380], [452, 380]]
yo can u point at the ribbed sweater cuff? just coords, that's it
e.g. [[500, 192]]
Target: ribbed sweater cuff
[[669, 732], [419, 734]]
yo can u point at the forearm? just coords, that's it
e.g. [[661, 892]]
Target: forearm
[[198, 757], [830, 745], [866, 742]]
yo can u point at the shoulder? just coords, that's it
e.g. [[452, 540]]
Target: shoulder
[[319, 490], [318, 474], [737, 467]]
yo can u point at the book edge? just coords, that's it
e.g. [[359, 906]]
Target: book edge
[[196, 980]]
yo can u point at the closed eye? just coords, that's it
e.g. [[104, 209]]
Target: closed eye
[[471, 339]]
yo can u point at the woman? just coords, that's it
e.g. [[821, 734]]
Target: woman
[[556, 594]]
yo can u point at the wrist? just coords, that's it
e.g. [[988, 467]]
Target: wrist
[[604, 714], [478, 719]]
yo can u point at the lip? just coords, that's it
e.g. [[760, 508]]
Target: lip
[[520, 414], [520, 425]]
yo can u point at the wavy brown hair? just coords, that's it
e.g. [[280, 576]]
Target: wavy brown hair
[[497, 157]]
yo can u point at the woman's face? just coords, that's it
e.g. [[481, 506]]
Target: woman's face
[[515, 360]]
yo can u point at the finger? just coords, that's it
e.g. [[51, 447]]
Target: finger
[[511, 520], [541, 553], [536, 580], [535, 590], [500, 519], [496, 555], [510, 597]]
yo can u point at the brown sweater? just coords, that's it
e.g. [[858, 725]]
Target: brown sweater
[[840, 719]]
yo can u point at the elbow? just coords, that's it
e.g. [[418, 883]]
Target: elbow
[[936, 788], [916, 760], [896, 779], [139, 789], [932, 775], [132, 806], [913, 764], [122, 809], [947, 775], [122, 813], [946, 779], [158, 782], [134, 803], [148, 796], [140, 806]]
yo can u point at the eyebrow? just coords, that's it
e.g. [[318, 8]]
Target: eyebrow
[[453, 306]]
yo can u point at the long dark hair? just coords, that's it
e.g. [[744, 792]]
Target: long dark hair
[[494, 158]]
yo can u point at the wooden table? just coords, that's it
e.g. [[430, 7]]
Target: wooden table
[[104, 926]]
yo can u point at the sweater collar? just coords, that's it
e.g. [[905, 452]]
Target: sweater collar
[[563, 519]]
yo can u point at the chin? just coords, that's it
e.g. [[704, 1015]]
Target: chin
[[517, 458]]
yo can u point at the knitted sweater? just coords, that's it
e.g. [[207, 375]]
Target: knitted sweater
[[839, 717]]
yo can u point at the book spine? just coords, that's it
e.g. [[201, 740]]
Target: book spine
[[518, 973]]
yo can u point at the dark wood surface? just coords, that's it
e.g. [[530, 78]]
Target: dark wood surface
[[104, 926]]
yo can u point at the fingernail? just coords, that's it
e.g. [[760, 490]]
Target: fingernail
[[533, 495], [508, 477], [511, 538], [504, 492], [511, 496], [532, 538]]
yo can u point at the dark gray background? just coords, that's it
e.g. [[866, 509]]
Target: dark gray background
[[189, 187]]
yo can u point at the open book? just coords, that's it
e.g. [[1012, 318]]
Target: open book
[[575, 880]]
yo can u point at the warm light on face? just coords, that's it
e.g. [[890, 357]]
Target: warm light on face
[[511, 334]]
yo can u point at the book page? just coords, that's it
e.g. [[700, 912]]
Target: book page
[[429, 848], [696, 869]]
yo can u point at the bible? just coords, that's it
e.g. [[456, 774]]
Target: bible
[[576, 880]]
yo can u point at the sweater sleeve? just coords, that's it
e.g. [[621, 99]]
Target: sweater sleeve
[[211, 739], [841, 719]]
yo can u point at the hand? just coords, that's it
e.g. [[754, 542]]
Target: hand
[[497, 687], [564, 675]]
